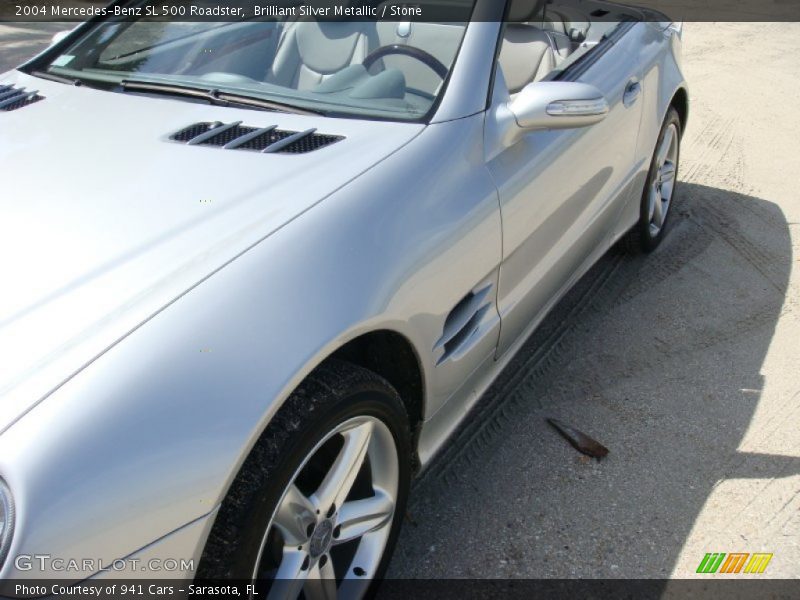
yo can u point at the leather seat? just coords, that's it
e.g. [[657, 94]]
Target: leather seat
[[312, 51], [526, 54]]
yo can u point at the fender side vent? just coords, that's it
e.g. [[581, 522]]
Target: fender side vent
[[12, 98], [270, 139], [462, 322]]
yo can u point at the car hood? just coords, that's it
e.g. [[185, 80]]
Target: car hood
[[103, 221]]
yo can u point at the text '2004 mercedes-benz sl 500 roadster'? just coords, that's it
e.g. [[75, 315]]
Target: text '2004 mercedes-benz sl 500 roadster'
[[256, 272]]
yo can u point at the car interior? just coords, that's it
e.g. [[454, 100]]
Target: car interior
[[543, 37], [539, 38], [398, 66]]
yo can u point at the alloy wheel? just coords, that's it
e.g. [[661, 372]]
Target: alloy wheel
[[329, 531], [662, 186]]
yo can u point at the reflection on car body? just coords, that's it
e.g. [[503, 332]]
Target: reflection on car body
[[271, 265]]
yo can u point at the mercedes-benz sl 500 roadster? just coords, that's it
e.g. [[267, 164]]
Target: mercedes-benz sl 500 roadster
[[255, 273]]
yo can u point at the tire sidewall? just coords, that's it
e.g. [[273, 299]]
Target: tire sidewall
[[648, 241]]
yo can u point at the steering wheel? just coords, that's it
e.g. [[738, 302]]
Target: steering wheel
[[421, 55]]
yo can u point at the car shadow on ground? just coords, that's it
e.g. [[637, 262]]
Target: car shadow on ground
[[660, 358]]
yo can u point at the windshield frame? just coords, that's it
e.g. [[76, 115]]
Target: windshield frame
[[43, 63]]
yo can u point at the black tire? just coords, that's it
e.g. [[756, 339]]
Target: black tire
[[333, 393], [640, 238]]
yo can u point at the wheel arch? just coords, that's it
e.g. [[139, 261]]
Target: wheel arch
[[383, 351], [392, 356], [680, 102]]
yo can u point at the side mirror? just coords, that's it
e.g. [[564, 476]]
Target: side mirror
[[558, 105], [58, 37]]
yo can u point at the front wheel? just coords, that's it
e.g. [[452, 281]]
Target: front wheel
[[659, 188], [317, 507]]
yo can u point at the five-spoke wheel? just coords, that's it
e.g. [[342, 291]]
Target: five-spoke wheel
[[659, 189], [663, 184], [316, 508], [335, 516]]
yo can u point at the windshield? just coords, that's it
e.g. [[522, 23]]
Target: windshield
[[378, 69]]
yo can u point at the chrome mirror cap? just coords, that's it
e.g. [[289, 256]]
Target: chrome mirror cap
[[558, 105]]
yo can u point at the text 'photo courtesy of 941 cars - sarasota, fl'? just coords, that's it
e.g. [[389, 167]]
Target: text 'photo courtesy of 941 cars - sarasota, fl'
[[257, 272]]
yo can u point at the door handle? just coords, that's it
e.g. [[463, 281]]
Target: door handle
[[632, 91]]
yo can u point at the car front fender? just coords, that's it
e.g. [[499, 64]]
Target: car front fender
[[149, 436]]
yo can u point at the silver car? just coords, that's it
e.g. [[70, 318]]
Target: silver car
[[256, 272]]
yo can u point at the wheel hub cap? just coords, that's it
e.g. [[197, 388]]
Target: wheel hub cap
[[321, 538]]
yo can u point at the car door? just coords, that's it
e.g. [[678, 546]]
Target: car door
[[561, 190]]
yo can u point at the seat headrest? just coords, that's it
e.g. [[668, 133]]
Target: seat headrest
[[522, 11]]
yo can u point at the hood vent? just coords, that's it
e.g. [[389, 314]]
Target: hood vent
[[235, 136], [12, 98]]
